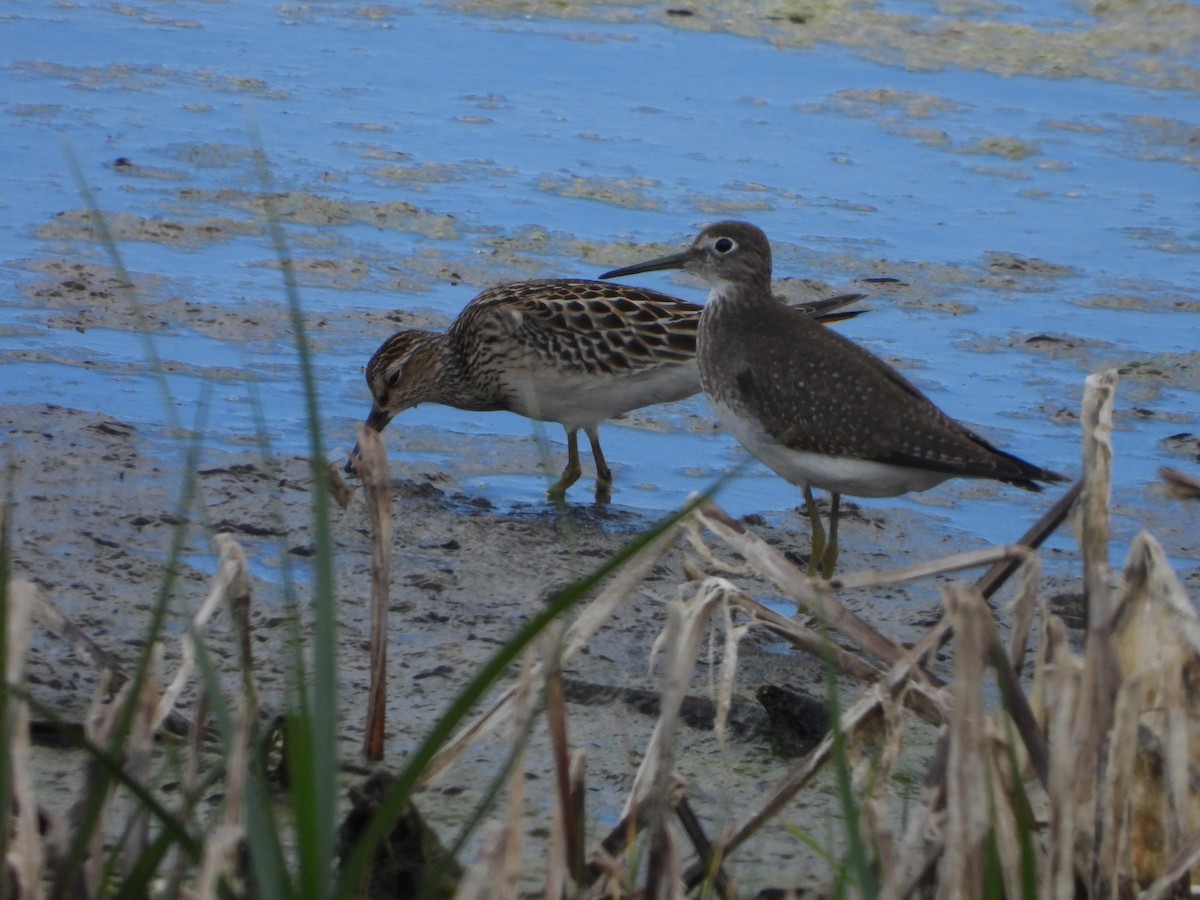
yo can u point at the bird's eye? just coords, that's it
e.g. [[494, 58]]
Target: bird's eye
[[394, 378], [724, 245]]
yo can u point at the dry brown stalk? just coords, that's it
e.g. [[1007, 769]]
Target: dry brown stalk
[[239, 598], [189, 778], [496, 873], [1057, 679], [25, 851], [49, 617], [232, 581], [999, 554], [1024, 605], [967, 801], [995, 577], [1099, 686], [568, 832], [1096, 419], [920, 846], [683, 636], [479, 882], [99, 728], [138, 754], [341, 492], [605, 859], [804, 638], [1156, 634], [223, 845], [797, 586], [1113, 844], [1187, 858], [576, 813], [510, 874], [373, 469], [704, 847]]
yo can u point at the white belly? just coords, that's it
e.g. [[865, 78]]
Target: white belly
[[587, 400], [842, 475]]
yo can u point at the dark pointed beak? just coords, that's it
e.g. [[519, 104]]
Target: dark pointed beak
[[674, 261], [378, 420]]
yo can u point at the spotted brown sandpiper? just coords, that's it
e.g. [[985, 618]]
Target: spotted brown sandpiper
[[570, 351], [812, 405]]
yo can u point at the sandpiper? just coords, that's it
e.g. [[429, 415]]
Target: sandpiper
[[812, 405], [570, 351]]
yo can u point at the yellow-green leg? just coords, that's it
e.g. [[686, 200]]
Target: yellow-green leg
[[830, 555], [817, 554], [571, 473], [603, 472]]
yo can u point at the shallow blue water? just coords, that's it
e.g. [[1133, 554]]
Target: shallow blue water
[[508, 119]]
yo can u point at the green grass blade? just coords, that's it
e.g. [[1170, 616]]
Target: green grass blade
[[312, 731]]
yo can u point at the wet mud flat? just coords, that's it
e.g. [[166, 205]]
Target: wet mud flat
[[95, 512]]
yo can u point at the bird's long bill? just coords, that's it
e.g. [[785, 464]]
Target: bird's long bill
[[674, 261], [378, 420]]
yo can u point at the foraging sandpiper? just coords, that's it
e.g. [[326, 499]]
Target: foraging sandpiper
[[569, 351], [812, 405]]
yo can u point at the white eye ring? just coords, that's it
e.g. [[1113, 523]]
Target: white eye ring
[[724, 245]]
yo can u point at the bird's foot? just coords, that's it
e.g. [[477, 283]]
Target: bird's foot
[[558, 490], [352, 462], [604, 484]]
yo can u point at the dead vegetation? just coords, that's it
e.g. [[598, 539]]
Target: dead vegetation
[[1057, 771]]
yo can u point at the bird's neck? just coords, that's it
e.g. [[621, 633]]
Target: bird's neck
[[456, 384], [728, 297]]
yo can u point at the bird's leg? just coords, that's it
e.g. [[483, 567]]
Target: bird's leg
[[818, 532], [830, 554], [603, 472], [571, 473]]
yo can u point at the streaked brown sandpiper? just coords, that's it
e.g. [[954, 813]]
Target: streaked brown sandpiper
[[815, 407], [570, 351]]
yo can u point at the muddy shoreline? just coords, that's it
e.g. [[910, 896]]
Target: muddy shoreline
[[95, 513]]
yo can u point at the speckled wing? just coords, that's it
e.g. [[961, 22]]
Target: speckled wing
[[780, 371], [588, 327]]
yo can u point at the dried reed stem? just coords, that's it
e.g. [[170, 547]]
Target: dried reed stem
[[795, 584], [99, 727], [1100, 674], [683, 637], [50, 618], [967, 806], [231, 582], [25, 852], [138, 753], [373, 469], [568, 833]]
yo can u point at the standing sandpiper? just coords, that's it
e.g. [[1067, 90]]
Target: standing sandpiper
[[570, 351], [813, 406]]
